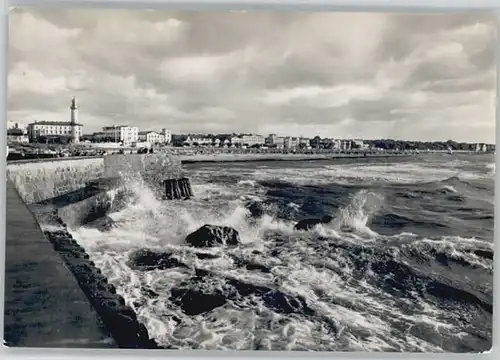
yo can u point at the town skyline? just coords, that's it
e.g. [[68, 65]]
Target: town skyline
[[14, 125], [406, 77]]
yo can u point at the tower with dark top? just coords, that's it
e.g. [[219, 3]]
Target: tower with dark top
[[75, 138]]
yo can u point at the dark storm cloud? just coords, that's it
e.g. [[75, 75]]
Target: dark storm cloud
[[224, 72]]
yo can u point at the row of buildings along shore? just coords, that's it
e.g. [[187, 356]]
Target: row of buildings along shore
[[130, 136], [65, 132]]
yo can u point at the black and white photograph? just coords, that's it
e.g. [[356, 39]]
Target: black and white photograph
[[250, 180]]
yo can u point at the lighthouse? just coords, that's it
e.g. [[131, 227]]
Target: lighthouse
[[75, 138]]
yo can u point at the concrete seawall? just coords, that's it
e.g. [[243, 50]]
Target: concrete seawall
[[48, 275], [42, 180], [44, 306]]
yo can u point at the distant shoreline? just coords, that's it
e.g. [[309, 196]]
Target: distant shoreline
[[254, 157], [191, 159]]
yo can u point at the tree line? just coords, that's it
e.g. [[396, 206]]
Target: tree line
[[389, 144]]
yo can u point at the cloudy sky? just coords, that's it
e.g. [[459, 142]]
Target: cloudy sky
[[372, 75]]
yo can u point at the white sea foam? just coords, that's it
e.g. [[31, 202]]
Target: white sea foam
[[449, 188], [356, 215], [209, 190], [246, 182], [293, 205]]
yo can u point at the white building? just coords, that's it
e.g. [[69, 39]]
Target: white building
[[237, 140], [360, 144], [248, 140], [481, 148], [16, 125], [167, 135], [47, 129], [197, 141], [122, 133], [17, 135], [343, 145], [222, 142], [291, 142], [152, 137], [275, 140], [68, 129], [305, 142]]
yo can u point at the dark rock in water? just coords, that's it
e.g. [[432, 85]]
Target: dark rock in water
[[200, 273], [145, 260], [256, 209], [195, 302], [212, 235], [258, 267], [203, 256], [194, 297], [308, 224]]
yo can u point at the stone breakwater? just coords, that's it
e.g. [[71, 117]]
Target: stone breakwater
[[120, 319]]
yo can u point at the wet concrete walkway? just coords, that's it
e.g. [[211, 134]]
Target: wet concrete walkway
[[44, 306]]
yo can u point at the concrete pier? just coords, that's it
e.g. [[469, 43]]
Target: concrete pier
[[44, 306]]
